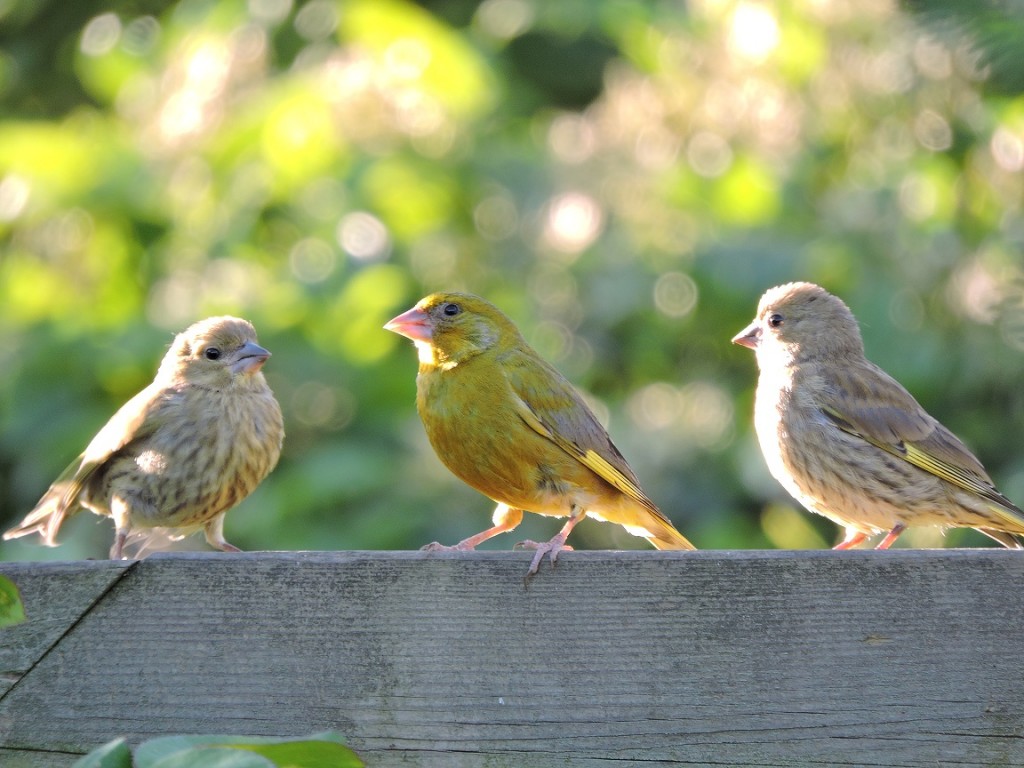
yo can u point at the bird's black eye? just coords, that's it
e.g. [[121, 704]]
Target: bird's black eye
[[775, 320], [451, 310], [211, 353]]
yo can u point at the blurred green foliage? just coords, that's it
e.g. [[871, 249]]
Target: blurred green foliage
[[317, 751], [624, 178], [12, 610]]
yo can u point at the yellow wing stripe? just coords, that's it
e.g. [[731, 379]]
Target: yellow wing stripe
[[79, 476], [942, 469], [609, 473], [963, 479], [531, 419], [589, 458], [951, 473]]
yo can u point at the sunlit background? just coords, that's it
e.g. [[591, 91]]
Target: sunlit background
[[623, 178]]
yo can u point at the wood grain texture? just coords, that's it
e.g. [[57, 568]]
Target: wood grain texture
[[901, 658], [56, 595]]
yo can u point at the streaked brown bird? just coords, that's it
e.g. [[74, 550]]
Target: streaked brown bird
[[183, 451], [511, 426], [848, 441]]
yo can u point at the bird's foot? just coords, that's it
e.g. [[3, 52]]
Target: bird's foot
[[891, 536], [549, 548], [853, 538], [117, 549], [436, 546]]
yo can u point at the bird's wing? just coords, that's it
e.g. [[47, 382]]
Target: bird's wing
[[137, 418], [47, 515], [872, 405], [552, 407]]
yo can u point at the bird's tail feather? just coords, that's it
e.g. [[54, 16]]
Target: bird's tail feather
[[60, 500], [649, 523], [675, 540], [46, 519], [1008, 540], [663, 535]]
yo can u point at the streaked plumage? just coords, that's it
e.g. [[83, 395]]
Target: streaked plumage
[[512, 427], [183, 451], [848, 441]]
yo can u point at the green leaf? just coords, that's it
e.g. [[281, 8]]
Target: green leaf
[[307, 754], [445, 64], [113, 754], [212, 757], [322, 750], [11, 609], [150, 753]]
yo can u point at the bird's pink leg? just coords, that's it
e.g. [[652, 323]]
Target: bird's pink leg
[[891, 536], [121, 514], [853, 538], [555, 545], [505, 518], [214, 531], [118, 546]]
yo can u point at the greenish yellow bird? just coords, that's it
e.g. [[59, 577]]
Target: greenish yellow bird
[[182, 452], [508, 424], [848, 441]]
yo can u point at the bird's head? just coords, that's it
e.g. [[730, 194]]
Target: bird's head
[[450, 328], [800, 321], [215, 353]]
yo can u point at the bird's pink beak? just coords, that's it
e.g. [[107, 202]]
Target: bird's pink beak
[[749, 337], [251, 358], [414, 324]]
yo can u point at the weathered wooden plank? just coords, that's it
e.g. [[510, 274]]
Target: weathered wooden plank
[[17, 758], [57, 594], [902, 658]]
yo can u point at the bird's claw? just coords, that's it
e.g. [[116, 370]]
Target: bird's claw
[[549, 548], [436, 546]]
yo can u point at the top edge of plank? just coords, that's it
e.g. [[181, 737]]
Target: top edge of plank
[[589, 556]]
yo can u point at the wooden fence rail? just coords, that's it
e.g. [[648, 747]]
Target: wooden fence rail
[[899, 658]]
